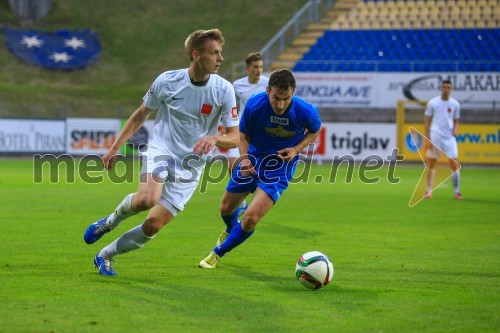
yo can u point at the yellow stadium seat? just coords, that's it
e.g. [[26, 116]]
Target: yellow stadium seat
[[480, 24], [496, 13], [462, 4], [476, 13], [403, 12], [469, 24], [486, 12]]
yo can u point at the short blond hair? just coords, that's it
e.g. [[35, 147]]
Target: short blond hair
[[197, 40]]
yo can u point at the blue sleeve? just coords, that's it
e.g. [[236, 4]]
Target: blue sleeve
[[314, 123], [247, 123]]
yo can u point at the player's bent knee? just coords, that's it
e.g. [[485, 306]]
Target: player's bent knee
[[249, 220], [152, 226], [145, 202], [227, 209]]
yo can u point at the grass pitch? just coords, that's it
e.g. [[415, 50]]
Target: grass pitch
[[431, 268]]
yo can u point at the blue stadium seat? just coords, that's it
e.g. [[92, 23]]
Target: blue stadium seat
[[404, 50]]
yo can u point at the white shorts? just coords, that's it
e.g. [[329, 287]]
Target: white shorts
[[446, 144], [233, 152], [179, 182]]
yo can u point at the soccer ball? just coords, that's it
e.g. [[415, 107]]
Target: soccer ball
[[314, 270]]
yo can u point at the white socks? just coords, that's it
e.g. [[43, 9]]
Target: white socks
[[121, 212], [129, 241]]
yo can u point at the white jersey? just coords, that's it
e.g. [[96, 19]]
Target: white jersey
[[244, 89], [443, 114], [188, 113]]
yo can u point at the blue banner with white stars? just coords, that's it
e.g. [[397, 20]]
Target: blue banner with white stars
[[63, 49]]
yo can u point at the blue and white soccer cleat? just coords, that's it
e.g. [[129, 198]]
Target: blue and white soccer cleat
[[104, 265], [96, 230], [242, 208]]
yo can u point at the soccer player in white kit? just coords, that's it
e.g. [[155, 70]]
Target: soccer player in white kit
[[245, 88], [441, 127], [190, 102]]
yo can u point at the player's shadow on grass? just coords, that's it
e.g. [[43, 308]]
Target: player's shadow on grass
[[483, 201]]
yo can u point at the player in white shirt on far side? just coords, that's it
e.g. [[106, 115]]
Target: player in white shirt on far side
[[190, 102], [245, 88], [441, 128]]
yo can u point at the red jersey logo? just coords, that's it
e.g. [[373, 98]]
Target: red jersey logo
[[449, 110], [234, 112], [206, 109]]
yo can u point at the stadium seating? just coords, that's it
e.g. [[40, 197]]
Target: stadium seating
[[404, 50], [408, 35]]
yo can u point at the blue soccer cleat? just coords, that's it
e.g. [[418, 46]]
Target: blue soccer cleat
[[96, 230], [104, 265]]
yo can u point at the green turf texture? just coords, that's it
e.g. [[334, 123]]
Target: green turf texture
[[431, 268]]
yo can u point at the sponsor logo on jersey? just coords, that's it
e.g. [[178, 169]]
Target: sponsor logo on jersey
[[234, 112], [206, 109], [278, 120], [449, 110], [280, 131]]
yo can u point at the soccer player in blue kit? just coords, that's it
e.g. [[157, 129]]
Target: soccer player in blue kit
[[274, 129]]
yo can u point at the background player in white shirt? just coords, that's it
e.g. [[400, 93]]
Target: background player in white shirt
[[190, 102], [441, 127], [245, 88]]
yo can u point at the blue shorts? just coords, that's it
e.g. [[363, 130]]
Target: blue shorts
[[272, 176]]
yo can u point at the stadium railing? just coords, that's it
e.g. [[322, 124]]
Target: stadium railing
[[312, 11]]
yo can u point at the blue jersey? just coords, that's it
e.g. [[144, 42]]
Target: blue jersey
[[269, 132]]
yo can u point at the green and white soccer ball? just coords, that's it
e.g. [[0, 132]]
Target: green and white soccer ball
[[314, 270]]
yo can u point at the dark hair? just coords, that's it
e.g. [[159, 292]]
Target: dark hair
[[197, 40], [254, 56], [282, 79], [446, 82]]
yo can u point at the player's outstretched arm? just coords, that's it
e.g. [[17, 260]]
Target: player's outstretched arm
[[455, 127], [428, 121], [136, 120], [246, 166], [230, 139], [287, 154]]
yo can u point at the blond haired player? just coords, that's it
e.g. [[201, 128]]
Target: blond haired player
[[441, 127], [190, 102]]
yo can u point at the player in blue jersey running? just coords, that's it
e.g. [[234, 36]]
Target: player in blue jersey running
[[274, 129], [245, 88]]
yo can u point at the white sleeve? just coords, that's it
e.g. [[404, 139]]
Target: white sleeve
[[151, 100], [229, 117], [456, 115], [429, 111]]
